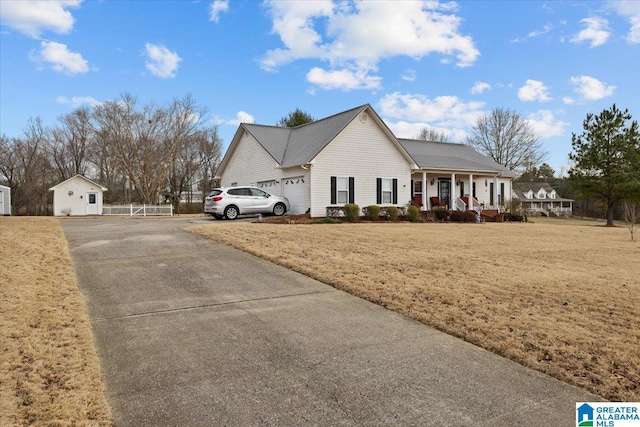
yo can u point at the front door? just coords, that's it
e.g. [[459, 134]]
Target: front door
[[444, 191], [92, 203]]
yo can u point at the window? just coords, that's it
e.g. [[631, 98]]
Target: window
[[387, 191], [342, 190], [240, 192], [417, 187], [258, 193]]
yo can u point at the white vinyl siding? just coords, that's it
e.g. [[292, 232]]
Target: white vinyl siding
[[251, 164], [363, 151]]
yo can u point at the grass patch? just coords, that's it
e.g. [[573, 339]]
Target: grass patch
[[560, 297], [49, 370]]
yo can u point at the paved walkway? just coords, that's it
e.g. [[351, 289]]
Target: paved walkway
[[193, 333]]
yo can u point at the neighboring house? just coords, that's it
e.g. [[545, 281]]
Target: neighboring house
[[541, 198], [77, 195], [353, 157], [5, 200]]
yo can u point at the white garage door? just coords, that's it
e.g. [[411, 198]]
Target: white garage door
[[295, 189]]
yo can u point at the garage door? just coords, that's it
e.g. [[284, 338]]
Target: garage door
[[295, 189]]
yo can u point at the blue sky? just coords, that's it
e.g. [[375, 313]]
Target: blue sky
[[418, 63]]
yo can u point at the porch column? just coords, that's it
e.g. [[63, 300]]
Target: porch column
[[495, 192], [424, 191], [470, 198], [452, 192]]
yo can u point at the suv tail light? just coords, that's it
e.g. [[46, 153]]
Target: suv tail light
[[217, 198]]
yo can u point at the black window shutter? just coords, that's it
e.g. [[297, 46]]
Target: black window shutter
[[395, 191], [411, 191], [333, 190], [378, 190], [352, 185]]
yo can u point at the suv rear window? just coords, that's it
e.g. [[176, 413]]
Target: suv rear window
[[215, 192]]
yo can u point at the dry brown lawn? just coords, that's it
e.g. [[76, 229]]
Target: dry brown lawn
[[49, 370], [562, 297]]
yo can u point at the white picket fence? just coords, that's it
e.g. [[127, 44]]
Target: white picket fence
[[138, 210]]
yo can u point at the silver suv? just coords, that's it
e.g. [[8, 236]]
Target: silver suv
[[230, 202]]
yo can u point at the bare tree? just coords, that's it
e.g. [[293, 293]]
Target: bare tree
[[26, 168], [431, 134], [210, 151], [70, 143], [506, 137], [151, 143]]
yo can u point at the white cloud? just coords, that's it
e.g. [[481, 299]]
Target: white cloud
[[568, 100], [61, 58], [596, 31], [480, 87], [342, 79], [162, 62], [216, 8], [443, 111], [409, 75], [355, 36], [546, 125], [534, 90], [591, 88], [34, 17], [630, 10], [241, 117], [77, 101]]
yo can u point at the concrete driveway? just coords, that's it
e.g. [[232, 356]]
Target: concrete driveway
[[194, 333]]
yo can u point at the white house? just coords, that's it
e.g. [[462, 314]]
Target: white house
[[541, 198], [77, 195], [5, 200], [353, 157]]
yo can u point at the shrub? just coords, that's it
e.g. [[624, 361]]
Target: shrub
[[372, 212], [470, 216], [392, 213], [351, 212], [457, 216], [441, 214], [413, 213], [513, 217]]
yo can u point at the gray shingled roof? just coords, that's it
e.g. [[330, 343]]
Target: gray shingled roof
[[522, 188], [444, 155], [299, 145]]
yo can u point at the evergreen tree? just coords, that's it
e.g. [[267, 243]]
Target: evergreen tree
[[606, 159]]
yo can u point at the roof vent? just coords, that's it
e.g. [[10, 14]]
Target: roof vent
[[364, 117]]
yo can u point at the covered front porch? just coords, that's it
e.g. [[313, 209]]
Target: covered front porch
[[458, 190]]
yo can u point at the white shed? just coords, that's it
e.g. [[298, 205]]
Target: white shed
[[77, 195], [5, 200]]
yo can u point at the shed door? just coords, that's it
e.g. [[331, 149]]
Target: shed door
[[92, 203], [295, 190], [2, 212]]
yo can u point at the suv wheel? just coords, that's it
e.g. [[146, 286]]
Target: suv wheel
[[279, 209], [231, 212]]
